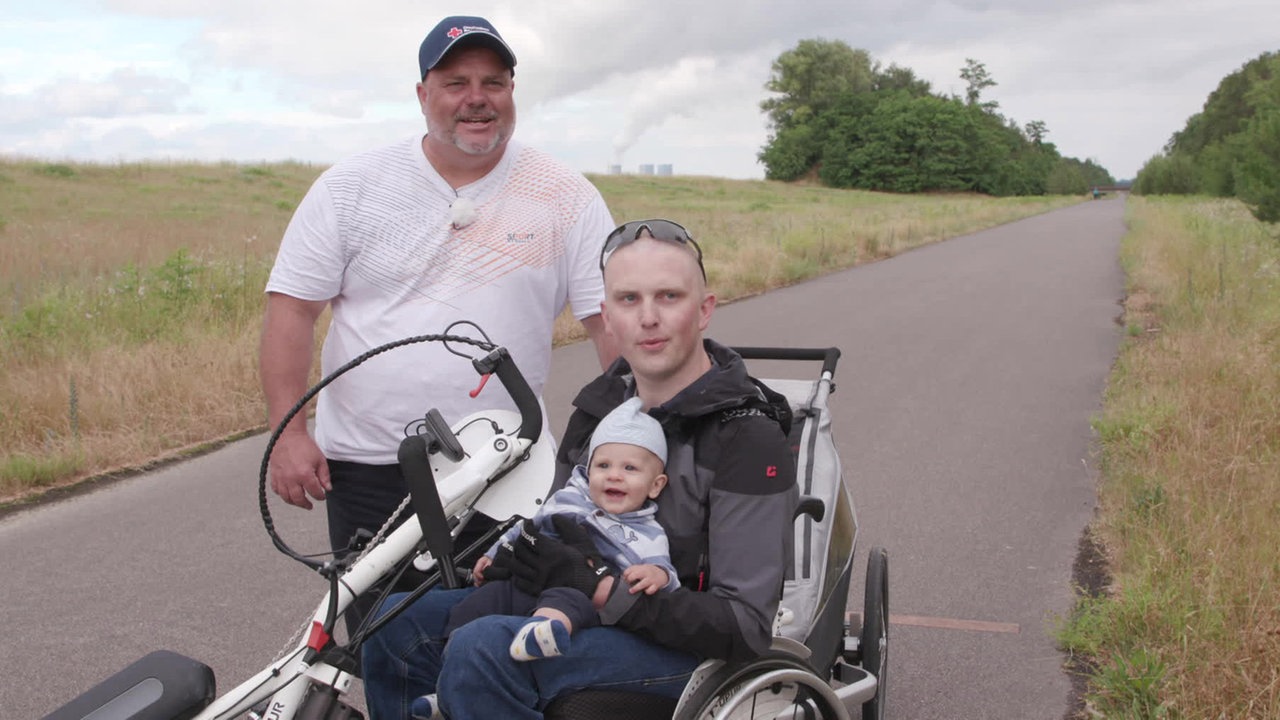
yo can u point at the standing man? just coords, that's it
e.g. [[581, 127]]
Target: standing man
[[727, 512], [460, 224]]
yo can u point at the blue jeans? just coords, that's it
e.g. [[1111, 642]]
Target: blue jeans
[[474, 675]]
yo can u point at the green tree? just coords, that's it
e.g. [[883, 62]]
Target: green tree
[[992, 145], [1066, 179], [1167, 174], [1258, 179], [790, 153], [1216, 166], [895, 79], [1070, 176], [1229, 107], [1012, 165], [907, 144], [977, 78], [1036, 131], [834, 132], [860, 125], [808, 78], [1228, 148]]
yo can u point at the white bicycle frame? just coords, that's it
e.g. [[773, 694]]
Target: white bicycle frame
[[464, 487]]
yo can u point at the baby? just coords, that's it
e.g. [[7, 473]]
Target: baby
[[612, 498]]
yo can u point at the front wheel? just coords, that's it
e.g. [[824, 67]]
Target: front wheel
[[873, 643], [768, 687]]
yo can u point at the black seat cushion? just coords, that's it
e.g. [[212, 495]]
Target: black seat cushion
[[612, 704]]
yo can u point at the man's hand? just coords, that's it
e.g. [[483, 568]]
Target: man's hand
[[535, 562], [298, 469], [297, 466]]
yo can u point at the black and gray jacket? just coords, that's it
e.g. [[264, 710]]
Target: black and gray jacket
[[727, 508]]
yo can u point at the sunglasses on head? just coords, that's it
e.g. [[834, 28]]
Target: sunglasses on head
[[658, 229]]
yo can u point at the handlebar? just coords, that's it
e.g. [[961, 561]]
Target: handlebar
[[499, 363], [415, 465]]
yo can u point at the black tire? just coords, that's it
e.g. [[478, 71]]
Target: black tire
[[873, 643], [784, 683]]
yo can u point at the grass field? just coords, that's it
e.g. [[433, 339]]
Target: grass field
[[1189, 505], [132, 293]]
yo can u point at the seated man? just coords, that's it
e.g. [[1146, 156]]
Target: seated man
[[727, 512]]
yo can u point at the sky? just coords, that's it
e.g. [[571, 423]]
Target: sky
[[598, 83]]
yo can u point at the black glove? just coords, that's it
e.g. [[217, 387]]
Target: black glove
[[535, 562]]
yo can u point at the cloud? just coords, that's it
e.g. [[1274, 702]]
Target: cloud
[[602, 81], [123, 93]]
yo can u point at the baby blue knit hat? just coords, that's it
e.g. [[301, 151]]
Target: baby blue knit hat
[[628, 424]]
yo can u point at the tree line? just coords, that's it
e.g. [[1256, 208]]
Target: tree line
[[838, 115], [1231, 148]]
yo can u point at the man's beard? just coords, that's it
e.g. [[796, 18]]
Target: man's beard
[[451, 136]]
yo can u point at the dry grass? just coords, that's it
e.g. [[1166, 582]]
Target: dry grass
[[99, 374], [76, 224], [1190, 503], [759, 235], [132, 293], [130, 406]]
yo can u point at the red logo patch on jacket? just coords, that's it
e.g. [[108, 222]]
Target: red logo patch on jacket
[[771, 471]]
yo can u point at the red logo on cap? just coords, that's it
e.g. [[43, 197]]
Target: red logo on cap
[[771, 471], [454, 32]]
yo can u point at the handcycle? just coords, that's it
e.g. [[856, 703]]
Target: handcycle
[[822, 663]]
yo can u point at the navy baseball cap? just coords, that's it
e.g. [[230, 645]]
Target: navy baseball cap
[[456, 29]]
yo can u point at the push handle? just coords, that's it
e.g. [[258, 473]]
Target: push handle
[[828, 356]]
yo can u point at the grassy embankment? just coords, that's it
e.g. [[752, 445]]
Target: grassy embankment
[[1189, 512], [131, 295]]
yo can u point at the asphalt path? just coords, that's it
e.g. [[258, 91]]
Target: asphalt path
[[970, 371]]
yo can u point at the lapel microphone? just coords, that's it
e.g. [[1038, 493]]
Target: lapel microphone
[[462, 212]]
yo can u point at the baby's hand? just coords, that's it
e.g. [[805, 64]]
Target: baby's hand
[[648, 579], [477, 572]]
